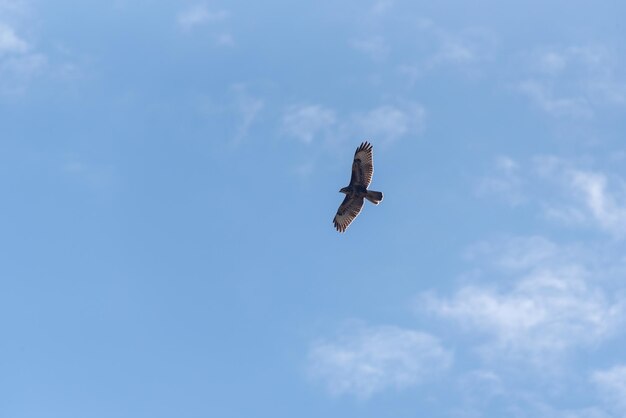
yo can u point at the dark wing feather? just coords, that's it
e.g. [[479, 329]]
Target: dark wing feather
[[348, 210], [362, 166]]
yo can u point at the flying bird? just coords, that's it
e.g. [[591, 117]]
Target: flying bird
[[356, 191]]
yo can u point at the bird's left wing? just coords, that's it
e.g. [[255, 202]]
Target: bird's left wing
[[363, 165], [348, 210]]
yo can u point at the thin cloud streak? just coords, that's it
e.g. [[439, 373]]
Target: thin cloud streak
[[308, 122], [541, 95], [10, 42], [578, 197], [573, 82], [550, 307], [611, 384], [366, 360], [505, 181], [199, 15], [386, 123], [20, 62], [248, 108], [586, 197]]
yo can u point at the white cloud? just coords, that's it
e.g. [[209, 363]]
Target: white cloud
[[505, 181], [366, 360], [601, 204], [389, 123], [13, 8], [551, 62], [549, 308], [541, 95], [567, 194], [248, 107], [10, 42], [537, 406], [455, 52], [19, 63], [573, 81], [23, 66], [375, 47], [385, 123], [611, 383], [380, 7], [585, 197], [464, 51], [518, 253], [307, 122], [225, 39], [484, 390], [199, 15], [97, 177]]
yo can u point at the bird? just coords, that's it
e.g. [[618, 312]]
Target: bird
[[356, 191]]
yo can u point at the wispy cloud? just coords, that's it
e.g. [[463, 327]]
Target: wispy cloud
[[10, 42], [308, 122], [486, 393], [365, 360], [505, 181], [606, 208], [611, 383], [518, 253], [199, 15], [97, 177], [573, 81], [564, 192], [374, 46], [541, 94], [20, 62], [389, 122], [225, 39], [587, 197], [248, 108], [385, 123], [465, 51], [381, 7], [551, 306], [549, 62], [13, 8]]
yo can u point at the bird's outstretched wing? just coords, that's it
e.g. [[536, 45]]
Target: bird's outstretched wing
[[362, 166], [348, 210]]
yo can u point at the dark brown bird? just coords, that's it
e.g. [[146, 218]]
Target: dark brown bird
[[356, 191]]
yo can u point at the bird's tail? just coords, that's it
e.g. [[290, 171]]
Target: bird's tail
[[374, 197]]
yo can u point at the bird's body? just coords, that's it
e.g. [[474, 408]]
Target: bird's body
[[356, 191]]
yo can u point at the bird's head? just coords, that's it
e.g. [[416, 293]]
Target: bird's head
[[344, 190]]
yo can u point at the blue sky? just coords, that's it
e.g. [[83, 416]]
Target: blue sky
[[169, 173]]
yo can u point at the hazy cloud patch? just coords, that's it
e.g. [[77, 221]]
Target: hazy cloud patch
[[385, 123], [586, 197], [364, 360], [199, 15], [574, 81], [611, 385], [505, 181], [20, 62], [248, 108], [542, 95], [308, 122], [10, 42], [545, 305], [375, 47]]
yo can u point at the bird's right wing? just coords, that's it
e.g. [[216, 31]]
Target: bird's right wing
[[363, 165], [348, 210]]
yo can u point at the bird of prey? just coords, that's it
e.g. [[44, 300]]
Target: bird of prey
[[356, 191]]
